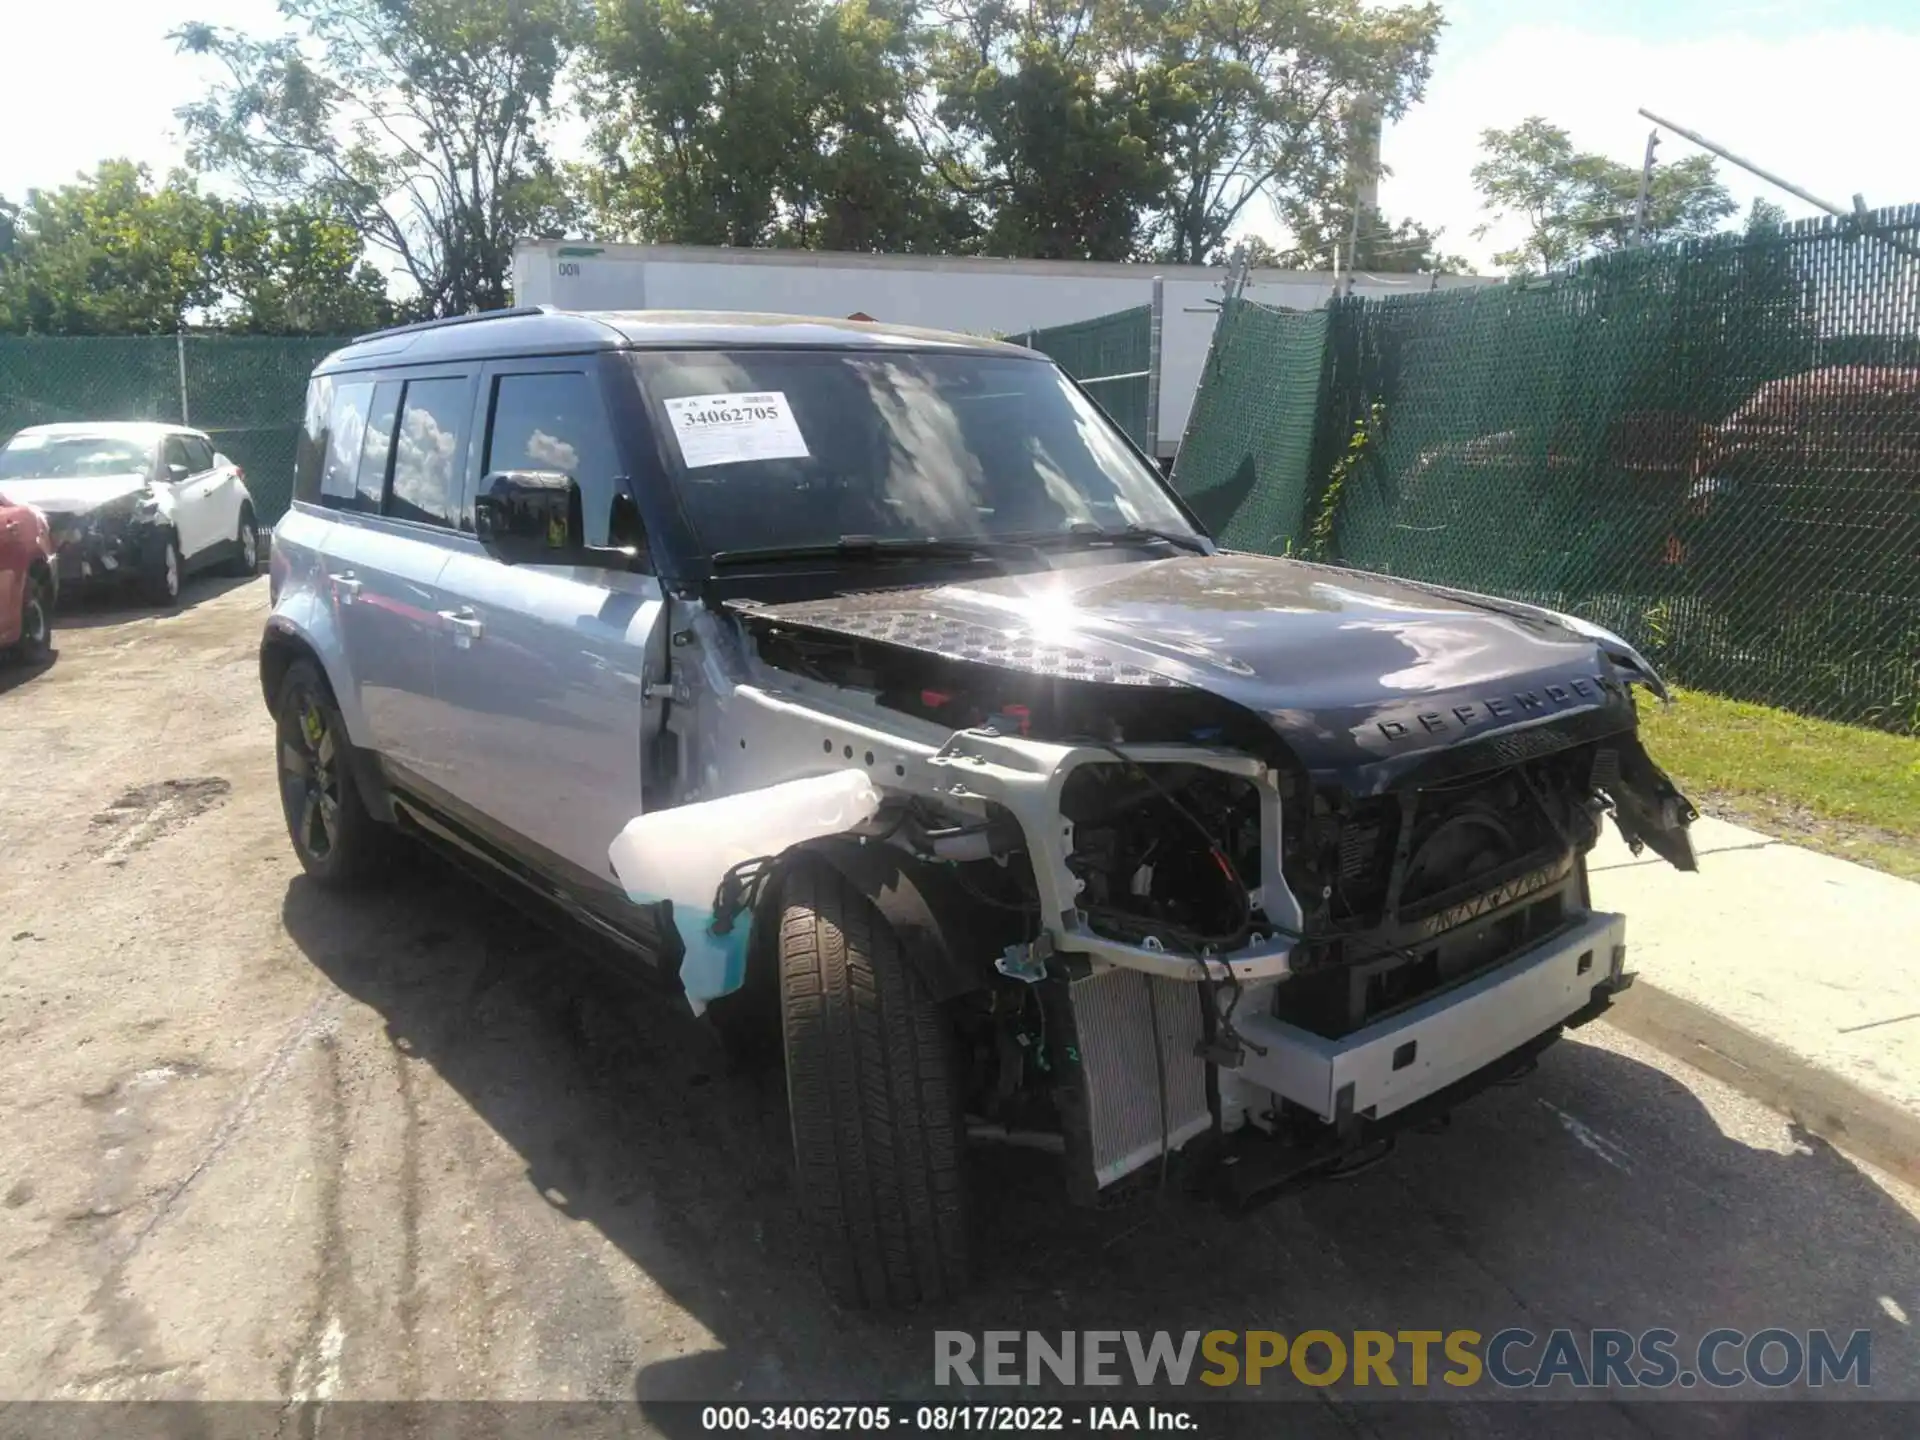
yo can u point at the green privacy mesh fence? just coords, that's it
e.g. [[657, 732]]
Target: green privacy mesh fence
[[1244, 464], [246, 392], [1110, 356], [1713, 448]]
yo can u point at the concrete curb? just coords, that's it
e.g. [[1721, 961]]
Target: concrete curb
[[1820, 1101]]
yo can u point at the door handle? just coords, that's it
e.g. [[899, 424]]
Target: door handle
[[465, 625], [345, 585]]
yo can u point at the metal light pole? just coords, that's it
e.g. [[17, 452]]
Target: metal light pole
[[1859, 210], [1156, 328], [1646, 188]]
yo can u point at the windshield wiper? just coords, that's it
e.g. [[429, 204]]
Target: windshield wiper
[[1085, 532], [865, 548]]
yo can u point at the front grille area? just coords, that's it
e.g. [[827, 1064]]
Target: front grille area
[[1408, 893]]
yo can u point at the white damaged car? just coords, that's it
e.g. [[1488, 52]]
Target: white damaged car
[[133, 502]]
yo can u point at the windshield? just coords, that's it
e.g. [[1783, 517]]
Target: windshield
[[778, 448], [70, 457]]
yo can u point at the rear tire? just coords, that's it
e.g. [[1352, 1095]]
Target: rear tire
[[246, 555], [874, 1096], [35, 645], [336, 841]]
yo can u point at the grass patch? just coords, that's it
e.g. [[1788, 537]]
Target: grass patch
[[1851, 792]]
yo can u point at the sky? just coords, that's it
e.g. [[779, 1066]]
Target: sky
[[1816, 90]]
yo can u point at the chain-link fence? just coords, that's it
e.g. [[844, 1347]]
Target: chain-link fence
[[246, 392], [1713, 448], [1112, 358]]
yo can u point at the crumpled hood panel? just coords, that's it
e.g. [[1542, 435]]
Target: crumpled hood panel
[[71, 496], [1351, 668]]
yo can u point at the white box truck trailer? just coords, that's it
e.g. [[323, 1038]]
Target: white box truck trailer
[[975, 295]]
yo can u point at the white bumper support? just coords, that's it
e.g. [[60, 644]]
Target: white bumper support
[[1408, 1056]]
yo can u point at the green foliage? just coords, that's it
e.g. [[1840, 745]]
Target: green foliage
[[112, 254], [758, 122], [1323, 523], [417, 121], [1092, 129], [1577, 203], [1322, 228], [297, 271], [1253, 99], [1055, 153], [108, 255]]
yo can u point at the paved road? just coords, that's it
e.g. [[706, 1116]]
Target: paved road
[[258, 1143]]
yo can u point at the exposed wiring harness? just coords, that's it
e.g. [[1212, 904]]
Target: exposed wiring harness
[[1196, 940]]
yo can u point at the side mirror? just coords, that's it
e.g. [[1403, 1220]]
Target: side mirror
[[529, 516], [177, 473]]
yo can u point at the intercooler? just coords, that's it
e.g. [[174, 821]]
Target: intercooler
[[1119, 1093]]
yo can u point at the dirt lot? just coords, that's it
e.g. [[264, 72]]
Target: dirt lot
[[256, 1142]]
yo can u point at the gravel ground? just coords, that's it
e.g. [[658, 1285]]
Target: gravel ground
[[260, 1143]]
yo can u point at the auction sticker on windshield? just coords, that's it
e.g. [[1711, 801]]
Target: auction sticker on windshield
[[726, 429]]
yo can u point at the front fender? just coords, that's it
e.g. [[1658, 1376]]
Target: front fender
[[949, 939], [307, 624]]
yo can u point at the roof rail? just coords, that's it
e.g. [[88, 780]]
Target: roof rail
[[444, 322]]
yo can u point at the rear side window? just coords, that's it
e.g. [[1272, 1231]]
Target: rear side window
[[311, 452], [554, 421], [426, 451], [346, 433]]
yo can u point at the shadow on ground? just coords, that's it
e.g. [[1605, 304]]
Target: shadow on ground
[[15, 673], [1598, 1192], [93, 606]]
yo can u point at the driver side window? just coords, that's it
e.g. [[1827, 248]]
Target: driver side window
[[175, 460]]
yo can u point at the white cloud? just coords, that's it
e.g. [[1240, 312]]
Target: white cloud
[[1830, 111]]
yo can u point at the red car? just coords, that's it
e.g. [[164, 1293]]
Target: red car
[[28, 584]]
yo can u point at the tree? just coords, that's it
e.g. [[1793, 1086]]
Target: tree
[[1254, 100], [1577, 203], [1056, 155], [109, 255], [417, 121], [296, 271], [759, 122], [1322, 229], [112, 254]]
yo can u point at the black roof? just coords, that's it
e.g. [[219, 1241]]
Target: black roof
[[543, 330]]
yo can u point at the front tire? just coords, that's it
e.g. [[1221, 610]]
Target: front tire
[[336, 841], [874, 1096], [35, 645], [246, 556], [161, 582]]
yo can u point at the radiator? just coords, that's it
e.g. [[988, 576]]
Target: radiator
[[1112, 1098]]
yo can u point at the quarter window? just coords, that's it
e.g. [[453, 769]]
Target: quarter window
[[346, 433], [311, 452]]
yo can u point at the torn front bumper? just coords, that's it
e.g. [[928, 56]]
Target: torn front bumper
[[88, 548], [1127, 1054], [1408, 1056]]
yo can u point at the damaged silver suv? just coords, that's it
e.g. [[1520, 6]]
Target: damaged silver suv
[[867, 685]]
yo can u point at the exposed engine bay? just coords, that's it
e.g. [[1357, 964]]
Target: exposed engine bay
[[1180, 906]]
